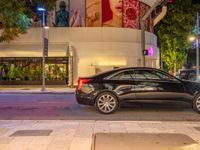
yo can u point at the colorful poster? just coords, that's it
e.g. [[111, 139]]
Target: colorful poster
[[93, 13], [62, 13], [149, 22], [50, 21], [131, 14], [77, 13], [112, 13], [142, 10], [36, 20]]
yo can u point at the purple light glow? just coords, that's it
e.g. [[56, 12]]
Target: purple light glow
[[150, 51]]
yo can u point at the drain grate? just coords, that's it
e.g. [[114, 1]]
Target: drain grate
[[32, 133]]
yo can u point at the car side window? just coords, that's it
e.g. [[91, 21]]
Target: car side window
[[145, 75], [125, 75], [165, 77]]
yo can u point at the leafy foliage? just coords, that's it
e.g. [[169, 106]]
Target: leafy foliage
[[173, 56], [15, 16], [173, 32], [12, 18]]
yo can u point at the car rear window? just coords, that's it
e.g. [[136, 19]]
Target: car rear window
[[125, 75]]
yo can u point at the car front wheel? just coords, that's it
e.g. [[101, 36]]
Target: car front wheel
[[106, 103], [196, 103]]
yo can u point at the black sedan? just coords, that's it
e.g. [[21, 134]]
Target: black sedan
[[108, 90]]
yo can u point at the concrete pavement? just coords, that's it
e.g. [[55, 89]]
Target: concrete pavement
[[78, 135]]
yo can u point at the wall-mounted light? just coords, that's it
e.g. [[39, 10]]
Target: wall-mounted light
[[46, 27]]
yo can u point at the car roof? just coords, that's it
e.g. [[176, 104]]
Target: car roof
[[106, 73], [142, 68]]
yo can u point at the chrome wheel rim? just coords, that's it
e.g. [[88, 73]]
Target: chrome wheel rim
[[106, 103], [198, 103]]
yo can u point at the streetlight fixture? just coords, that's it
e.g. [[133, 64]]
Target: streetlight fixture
[[192, 38], [196, 39], [43, 10]]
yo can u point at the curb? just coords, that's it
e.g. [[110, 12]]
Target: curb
[[37, 92]]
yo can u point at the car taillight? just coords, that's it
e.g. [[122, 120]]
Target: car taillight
[[81, 82]]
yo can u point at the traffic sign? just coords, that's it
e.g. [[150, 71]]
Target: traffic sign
[[145, 52], [46, 47]]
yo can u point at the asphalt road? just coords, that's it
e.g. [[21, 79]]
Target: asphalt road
[[65, 107]]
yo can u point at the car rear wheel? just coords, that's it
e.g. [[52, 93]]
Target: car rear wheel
[[196, 103], [106, 103]]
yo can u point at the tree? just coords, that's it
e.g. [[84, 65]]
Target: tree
[[173, 56], [173, 32], [15, 16], [12, 19]]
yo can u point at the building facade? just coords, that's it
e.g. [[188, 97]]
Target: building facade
[[89, 47]]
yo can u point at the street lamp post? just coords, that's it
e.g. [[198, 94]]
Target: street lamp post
[[197, 48], [196, 39], [43, 10], [142, 21]]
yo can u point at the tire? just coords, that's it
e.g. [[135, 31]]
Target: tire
[[106, 103], [196, 103]]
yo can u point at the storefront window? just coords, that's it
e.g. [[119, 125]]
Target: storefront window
[[30, 69]]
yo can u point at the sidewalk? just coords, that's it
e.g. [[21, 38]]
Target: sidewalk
[[78, 135], [35, 89]]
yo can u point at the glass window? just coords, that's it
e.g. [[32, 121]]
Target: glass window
[[162, 75], [153, 75], [166, 77], [146, 75], [122, 76], [30, 69]]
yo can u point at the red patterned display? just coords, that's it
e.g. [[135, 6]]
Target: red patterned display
[[131, 14], [107, 13], [149, 23], [143, 8]]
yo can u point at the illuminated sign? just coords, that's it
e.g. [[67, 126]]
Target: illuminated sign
[[150, 51]]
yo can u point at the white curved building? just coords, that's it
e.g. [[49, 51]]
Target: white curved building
[[87, 50]]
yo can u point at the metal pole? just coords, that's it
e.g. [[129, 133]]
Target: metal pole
[[143, 19], [143, 42], [197, 48], [43, 53]]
